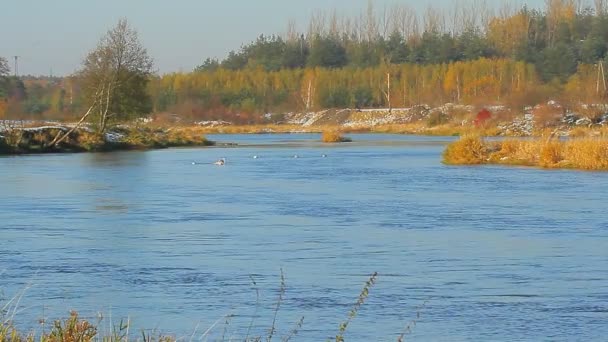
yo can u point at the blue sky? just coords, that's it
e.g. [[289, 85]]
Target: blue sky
[[179, 34]]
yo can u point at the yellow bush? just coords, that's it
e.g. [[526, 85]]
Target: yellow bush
[[550, 153], [587, 154], [509, 147], [333, 137], [468, 150]]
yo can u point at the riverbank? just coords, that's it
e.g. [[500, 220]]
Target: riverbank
[[39, 139], [550, 153], [411, 129]]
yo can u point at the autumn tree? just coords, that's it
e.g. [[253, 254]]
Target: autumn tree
[[114, 77]]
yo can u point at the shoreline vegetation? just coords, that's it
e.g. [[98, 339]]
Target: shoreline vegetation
[[584, 153], [334, 137], [78, 329], [512, 72], [567, 147], [39, 139]]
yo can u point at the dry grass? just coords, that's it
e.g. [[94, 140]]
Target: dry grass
[[468, 150], [76, 329], [147, 137], [420, 128], [256, 129], [575, 153], [579, 132], [334, 137], [584, 132], [411, 128], [586, 154], [515, 152], [156, 137], [138, 137], [448, 129], [550, 154]]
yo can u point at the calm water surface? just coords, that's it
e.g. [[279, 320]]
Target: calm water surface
[[507, 254]]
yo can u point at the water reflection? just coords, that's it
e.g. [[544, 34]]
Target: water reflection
[[116, 159], [111, 205]]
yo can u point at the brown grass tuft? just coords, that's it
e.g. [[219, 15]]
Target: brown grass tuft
[[586, 154], [583, 153], [468, 150], [550, 153], [334, 137]]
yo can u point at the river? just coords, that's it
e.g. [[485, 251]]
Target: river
[[174, 243]]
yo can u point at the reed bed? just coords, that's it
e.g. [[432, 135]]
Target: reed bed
[[551, 153]]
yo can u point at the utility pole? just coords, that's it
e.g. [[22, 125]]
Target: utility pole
[[600, 73], [387, 93], [16, 65], [309, 96]]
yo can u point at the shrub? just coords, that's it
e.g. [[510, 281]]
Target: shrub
[[481, 117], [72, 330], [587, 154], [584, 154], [550, 154], [468, 150], [333, 137], [578, 132]]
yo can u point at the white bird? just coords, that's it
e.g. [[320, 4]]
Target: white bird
[[255, 157], [220, 162], [296, 156], [324, 155]]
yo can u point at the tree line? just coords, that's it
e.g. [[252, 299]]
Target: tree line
[[242, 92], [391, 57], [566, 33]]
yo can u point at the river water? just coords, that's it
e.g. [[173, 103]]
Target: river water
[[491, 253]]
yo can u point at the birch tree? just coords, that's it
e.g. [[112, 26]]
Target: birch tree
[[114, 76], [4, 70]]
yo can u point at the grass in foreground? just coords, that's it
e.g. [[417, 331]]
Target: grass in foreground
[[551, 153], [76, 329]]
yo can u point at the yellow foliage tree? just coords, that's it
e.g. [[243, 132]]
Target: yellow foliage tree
[[506, 33]]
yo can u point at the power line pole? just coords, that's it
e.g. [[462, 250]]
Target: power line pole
[[600, 73], [16, 65]]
